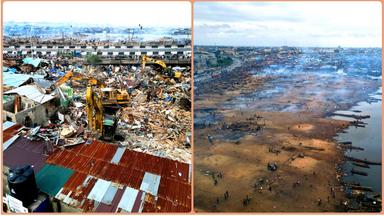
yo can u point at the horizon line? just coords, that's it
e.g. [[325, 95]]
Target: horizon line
[[259, 46]]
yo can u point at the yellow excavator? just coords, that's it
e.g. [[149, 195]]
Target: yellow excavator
[[101, 103], [167, 72]]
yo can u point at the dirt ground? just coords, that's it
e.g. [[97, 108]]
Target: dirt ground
[[298, 144], [233, 153]]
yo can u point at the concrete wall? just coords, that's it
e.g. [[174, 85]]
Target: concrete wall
[[39, 114]]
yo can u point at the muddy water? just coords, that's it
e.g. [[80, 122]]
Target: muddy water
[[368, 138]]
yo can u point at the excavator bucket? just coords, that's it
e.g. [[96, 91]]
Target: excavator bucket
[[178, 74]]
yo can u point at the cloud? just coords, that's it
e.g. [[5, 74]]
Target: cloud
[[112, 13], [349, 24], [239, 12]]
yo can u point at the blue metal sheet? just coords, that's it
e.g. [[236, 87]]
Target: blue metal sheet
[[119, 153], [150, 183], [8, 124], [9, 142], [98, 191], [109, 195], [128, 199]]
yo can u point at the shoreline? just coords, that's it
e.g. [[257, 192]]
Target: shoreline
[[214, 157]]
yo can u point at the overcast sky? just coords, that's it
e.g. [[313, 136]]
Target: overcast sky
[[326, 24], [118, 13]]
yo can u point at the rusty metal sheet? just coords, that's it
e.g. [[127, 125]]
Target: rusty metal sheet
[[113, 206], [164, 205], [10, 131], [76, 189], [139, 199], [95, 159], [129, 159], [8, 124], [176, 170], [176, 191], [74, 181], [136, 178]]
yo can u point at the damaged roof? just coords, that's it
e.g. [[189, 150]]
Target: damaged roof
[[121, 174], [24, 152], [15, 80], [32, 61], [32, 92], [8, 124], [42, 83]]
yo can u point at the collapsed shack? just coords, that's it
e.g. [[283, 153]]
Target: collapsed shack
[[29, 106]]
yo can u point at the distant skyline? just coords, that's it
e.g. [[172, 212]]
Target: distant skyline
[[304, 24], [111, 13]]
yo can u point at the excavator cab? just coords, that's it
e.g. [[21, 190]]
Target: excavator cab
[[109, 127], [101, 103]]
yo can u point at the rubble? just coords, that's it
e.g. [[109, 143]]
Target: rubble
[[157, 120]]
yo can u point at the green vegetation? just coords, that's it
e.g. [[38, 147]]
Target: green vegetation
[[65, 54], [92, 59]]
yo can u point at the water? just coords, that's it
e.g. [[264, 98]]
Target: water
[[369, 138], [314, 75]]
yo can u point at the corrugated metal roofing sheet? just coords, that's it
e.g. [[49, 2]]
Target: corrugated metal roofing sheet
[[175, 191], [128, 199], [15, 80], [10, 131], [96, 159], [51, 178], [150, 183], [75, 191], [98, 191], [10, 141], [138, 206], [25, 152], [109, 195], [164, 205], [149, 204], [119, 153], [32, 92], [43, 83], [8, 124], [113, 206]]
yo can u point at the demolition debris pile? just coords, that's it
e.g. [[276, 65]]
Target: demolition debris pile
[[156, 120]]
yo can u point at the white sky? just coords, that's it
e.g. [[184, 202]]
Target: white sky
[[118, 13], [348, 24]]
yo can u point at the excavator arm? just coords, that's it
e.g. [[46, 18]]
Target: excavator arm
[[95, 112], [145, 59], [70, 75]]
